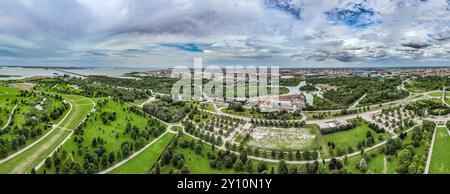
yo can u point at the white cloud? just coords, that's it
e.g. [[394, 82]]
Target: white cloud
[[283, 32]]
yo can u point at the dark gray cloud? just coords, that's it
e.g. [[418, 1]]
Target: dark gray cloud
[[416, 45]]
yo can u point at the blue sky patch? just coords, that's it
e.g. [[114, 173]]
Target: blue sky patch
[[294, 9], [358, 16], [189, 47]]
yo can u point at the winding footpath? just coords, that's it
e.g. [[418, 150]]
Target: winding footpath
[[10, 118], [26, 159], [136, 153], [94, 105], [39, 140], [304, 161]]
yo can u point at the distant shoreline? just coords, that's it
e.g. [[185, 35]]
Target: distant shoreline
[[281, 68]]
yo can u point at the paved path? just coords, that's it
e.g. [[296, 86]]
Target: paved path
[[430, 152], [70, 135], [39, 140], [10, 117], [136, 153], [356, 103], [385, 170], [302, 162]]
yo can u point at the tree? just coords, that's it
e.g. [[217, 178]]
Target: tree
[[185, 170], [283, 167], [112, 157], [48, 162], [298, 155], [238, 165], [363, 165], [157, 169], [249, 166], [236, 106], [262, 166], [334, 164]]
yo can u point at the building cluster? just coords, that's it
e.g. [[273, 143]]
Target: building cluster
[[372, 72], [156, 73], [290, 103]]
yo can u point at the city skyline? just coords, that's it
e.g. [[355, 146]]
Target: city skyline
[[289, 33]]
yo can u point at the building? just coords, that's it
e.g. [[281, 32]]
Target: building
[[290, 103], [333, 124]]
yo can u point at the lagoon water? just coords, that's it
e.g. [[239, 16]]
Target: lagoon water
[[308, 95], [20, 72]]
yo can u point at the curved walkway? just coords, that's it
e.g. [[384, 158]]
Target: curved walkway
[[10, 118], [135, 154], [305, 161], [28, 158], [71, 132], [39, 140]]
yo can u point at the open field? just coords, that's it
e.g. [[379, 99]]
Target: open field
[[440, 160], [439, 94], [284, 138]]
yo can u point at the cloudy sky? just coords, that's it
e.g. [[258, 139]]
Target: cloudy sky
[[165, 33]]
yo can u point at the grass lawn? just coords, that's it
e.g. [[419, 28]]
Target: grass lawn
[[27, 160], [143, 162], [375, 165], [24, 162], [7, 98], [392, 165], [414, 89], [440, 160], [436, 94], [24, 113], [112, 133], [352, 137]]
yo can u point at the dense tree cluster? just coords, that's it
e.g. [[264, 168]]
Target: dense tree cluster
[[428, 83], [167, 110], [156, 84], [207, 136], [376, 128], [290, 81], [432, 107], [94, 152], [274, 123], [410, 161], [308, 87], [350, 89], [33, 124]]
